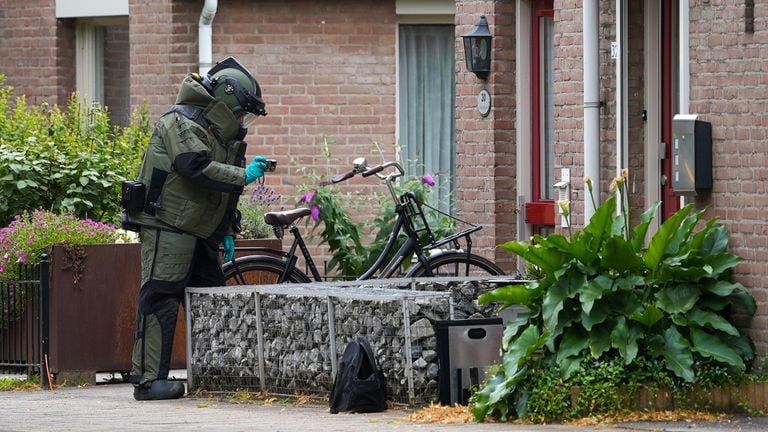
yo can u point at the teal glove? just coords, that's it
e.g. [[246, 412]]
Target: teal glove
[[229, 247], [255, 169]]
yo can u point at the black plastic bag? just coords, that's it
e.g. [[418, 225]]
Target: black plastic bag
[[360, 386]]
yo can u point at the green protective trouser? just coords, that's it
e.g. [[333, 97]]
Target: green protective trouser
[[170, 262]]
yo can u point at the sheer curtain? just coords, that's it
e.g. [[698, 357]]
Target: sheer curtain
[[426, 81]]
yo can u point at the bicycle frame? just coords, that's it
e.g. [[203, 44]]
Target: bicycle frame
[[408, 209]]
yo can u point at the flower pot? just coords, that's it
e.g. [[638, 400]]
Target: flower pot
[[93, 295]]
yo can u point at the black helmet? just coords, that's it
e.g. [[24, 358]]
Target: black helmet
[[230, 81]]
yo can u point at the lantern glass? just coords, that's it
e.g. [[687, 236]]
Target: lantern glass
[[477, 49]]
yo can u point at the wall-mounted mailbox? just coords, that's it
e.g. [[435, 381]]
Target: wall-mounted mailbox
[[691, 155]]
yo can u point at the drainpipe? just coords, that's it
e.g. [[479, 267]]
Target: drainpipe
[[591, 104], [621, 94], [205, 37]]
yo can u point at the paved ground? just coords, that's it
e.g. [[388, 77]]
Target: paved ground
[[112, 408]]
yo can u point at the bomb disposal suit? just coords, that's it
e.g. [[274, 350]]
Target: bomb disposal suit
[[191, 177]]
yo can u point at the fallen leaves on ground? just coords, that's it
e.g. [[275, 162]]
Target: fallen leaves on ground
[[441, 414], [461, 414], [652, 416]]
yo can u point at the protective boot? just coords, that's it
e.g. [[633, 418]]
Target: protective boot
[[158, 390]]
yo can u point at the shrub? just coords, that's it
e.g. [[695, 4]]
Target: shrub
[[603, 295], [68, 160], [252, 211], [27, 237]]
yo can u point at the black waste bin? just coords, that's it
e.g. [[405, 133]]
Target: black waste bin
[[465, 349]]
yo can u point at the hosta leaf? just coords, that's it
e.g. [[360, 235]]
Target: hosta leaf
[[599, 340], [512, 294], [618, 255], [712, 320], [599, 227], [650, 316], [521, 348], [721, 262], [624, 338], [742, 344], [714, 347], [640, 231], [568, 366], [676, 299], [744, 301], [571, 345], [722, 288], [597, 315], [564, 288], [663, 236], [677, 354], [547, 259], [677, 242], [716, 241], [593, 291]]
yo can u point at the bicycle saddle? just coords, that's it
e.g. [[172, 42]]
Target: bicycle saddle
[[285, 218]]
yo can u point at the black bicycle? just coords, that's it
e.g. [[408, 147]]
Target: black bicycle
[[444, 256]]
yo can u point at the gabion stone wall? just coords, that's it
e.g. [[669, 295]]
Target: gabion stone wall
[[281, 339], [239, 336]]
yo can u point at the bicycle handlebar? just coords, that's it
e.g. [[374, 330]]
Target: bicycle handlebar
[[341, 177], [371, 171]]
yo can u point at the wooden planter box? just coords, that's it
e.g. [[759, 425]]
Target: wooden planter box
[[94, 290]]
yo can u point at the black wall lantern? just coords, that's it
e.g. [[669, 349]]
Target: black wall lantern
[[477, 49]]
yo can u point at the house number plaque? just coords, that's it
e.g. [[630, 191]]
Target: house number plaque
[[484, 102]]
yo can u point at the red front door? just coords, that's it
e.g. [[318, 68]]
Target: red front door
[[670, 203]]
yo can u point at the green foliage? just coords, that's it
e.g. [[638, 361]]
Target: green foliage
[[383, 224], [68, 160], [14, 384], [608, 386], [25, 239], [252, 212], [355, 245], [602, 296]]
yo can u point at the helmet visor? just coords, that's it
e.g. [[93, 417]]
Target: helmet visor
[[246, 119]]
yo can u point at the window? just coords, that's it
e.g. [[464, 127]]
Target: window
[[426, 105]]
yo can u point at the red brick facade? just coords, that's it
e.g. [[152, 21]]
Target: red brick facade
[[329, 69]]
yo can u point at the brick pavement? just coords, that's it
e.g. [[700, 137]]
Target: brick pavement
[[112, 408]]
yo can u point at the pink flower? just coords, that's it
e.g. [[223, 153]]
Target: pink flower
[[308, 196], [315, 213], [428, 179]]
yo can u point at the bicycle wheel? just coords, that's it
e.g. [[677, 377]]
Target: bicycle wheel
[[451, 264], [259, 270]]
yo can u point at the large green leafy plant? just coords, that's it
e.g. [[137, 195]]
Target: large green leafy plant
[[603, 295], [65, 160]]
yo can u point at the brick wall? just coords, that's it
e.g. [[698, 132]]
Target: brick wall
[[729, 88], [36, 50], [326, 69], [116, 74], [485, 146]]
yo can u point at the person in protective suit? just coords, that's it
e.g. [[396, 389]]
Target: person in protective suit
[[184, 205]]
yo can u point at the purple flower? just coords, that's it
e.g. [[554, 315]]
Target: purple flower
[[307, 197], [315, 213], [428, 179]]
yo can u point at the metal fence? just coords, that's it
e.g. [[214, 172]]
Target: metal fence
[[24, 326]]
